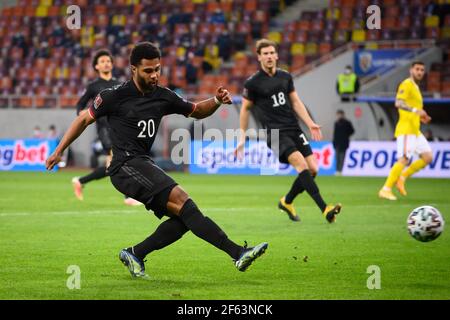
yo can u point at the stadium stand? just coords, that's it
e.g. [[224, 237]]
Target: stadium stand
[[43, 64]]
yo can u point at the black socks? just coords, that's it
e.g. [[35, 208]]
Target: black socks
[[98, 173], [208, 230], [305, 181], [167, 233], [174, 228]]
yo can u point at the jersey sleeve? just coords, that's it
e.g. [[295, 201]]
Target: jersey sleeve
[[291, 87], [179, 105], [248, 92], [403, 91], [82, 103], [103, 104]]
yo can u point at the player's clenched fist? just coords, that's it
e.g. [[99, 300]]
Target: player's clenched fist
[[223, 95]]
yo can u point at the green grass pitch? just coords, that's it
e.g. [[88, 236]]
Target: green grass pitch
[[44, 230]]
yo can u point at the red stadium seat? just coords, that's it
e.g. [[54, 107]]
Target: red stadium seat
[[389, 22], [304, 25], [344, 24], [325, 48], [445, 87], [251, 5]]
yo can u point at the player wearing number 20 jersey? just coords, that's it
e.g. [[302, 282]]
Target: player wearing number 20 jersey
[[271, 94], [134, 110]]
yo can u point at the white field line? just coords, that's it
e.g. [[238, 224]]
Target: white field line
[[205, 209]]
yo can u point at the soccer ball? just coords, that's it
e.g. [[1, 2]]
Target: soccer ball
[[425, 223]]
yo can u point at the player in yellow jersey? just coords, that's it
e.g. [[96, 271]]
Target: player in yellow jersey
[[409, 138]]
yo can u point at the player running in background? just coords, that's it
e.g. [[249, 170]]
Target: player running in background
[[134, 111], [409, 138], [103, 65], [271, 91]]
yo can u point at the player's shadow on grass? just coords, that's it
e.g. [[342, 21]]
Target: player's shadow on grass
[[190, 283]]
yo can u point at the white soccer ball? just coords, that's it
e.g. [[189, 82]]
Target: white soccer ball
[[425, 223]]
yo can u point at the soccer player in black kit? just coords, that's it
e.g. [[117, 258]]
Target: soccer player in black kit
[[103, 65], [134, 110], [271, 91]]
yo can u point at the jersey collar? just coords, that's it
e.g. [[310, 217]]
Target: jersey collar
[[135, 89], [266, 74]]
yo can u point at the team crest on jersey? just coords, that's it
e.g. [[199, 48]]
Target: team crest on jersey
[[98, 101]]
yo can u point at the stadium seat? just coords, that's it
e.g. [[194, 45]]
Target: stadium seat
[[445, 33], [304, 25], [333, 14], [445, 88], [274, 36], [432, 21], [390, 22], [371, 46], [358, 36], [325, 47], [297, 49], [344, 24]]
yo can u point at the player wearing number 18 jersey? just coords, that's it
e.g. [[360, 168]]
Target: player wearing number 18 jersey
[[271, 93], [134, 111]]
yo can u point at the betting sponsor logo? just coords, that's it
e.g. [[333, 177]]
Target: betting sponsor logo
[[17, 155]]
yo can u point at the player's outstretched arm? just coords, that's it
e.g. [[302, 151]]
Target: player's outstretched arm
[[76, 128], [301, 111], [207, 107]]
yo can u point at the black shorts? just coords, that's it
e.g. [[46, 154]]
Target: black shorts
[[289, 142], [105, 139], [141, 179]]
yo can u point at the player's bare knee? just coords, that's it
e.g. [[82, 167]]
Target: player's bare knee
[[313, 170], [301, 166], [427, 157], [403, 160], [177, 199]]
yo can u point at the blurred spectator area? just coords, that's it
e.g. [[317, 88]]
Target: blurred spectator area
[[204, 43]]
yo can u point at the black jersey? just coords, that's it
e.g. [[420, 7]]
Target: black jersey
[[270, 97], [92, 90], [134, 117]]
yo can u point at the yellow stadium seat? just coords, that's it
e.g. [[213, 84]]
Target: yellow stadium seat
[[371, 46], [46, 3], [119, 20], [274, 36], [333, 13], [311, 48], [42, 11], [181, 52], [63, 10], [163, 18], [358, 35], [297, 48], [432, 21], [445, 34]]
